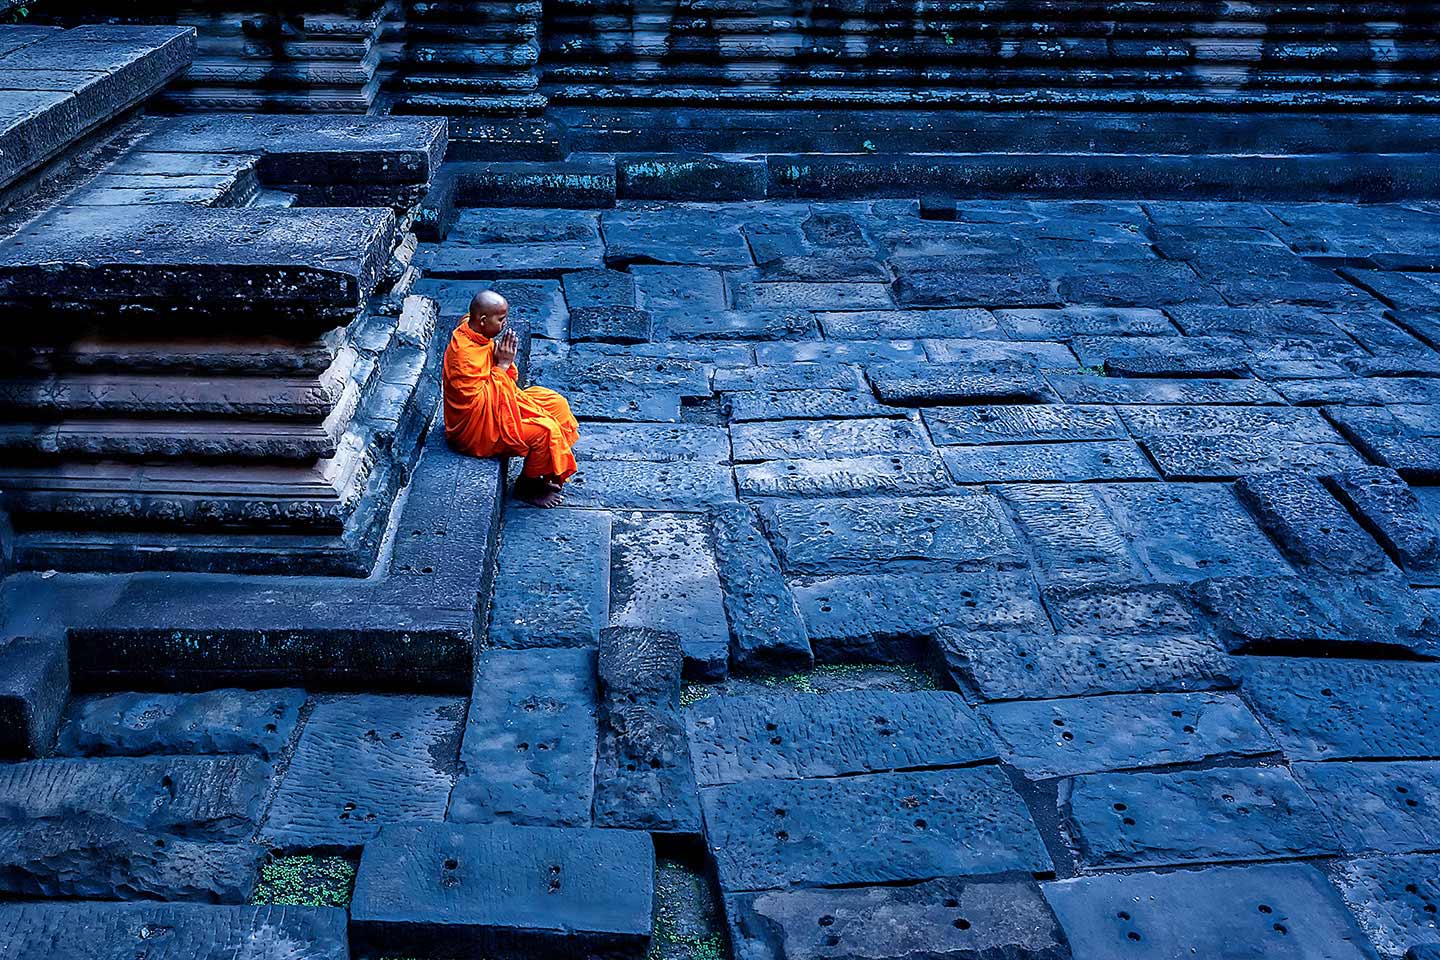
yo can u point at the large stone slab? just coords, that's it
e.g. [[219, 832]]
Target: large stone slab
[[878, 828], [1313, 529], [1021, 423], [1271, 911], [913, 474], [908, 324], [914, 384], [216, 721], [766, 632], [1048, 462], [751, 324], [1068, 322], [1071, 533], [363, 762], [1002, 667], [656, 442], [795, 376], [34, 686], [942, 917], [531, 244], [123, 931], [750, 405], [673, 236], [96, 858], [563, 601], [529, 746], [1376, 807], [885, 617], [734, 739], [214, 798], [500, 890], [788, 439], [310, 264], [1194, 816], [686, 486], [663, 577], [867, 535], [1391, 512], [1230, 456], [979, 281], [1084, 388], [1061, 738], [1332, 709], [1395, 898]]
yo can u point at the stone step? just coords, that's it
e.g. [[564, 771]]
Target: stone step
[[33, 692], [581, 180], [500, 890]]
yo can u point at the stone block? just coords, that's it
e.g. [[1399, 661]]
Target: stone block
[[1071, 534], [787, 439], [1061, 738], [1002, 667], [751, 405], [1395, 899], [310, 265], [741, 325], [1048, 462], [1021, 423], [1272, 910], [1313, 529], [827, 267], [962, 323], [766, 632], [663, 577], [799, 376], [34, 685], [843, 476], [1376, 807], [840, 351], [213, 722], [610, 324], [1084, 388], [882, 618], [877, 828], [981, 281], [1043, 355], [1194, 816], [683, 486], [95, 858], [1231, 456], [655, 442], [1390, 511], [673, 237], [791, 296], [868, 535], [735, 739], [529, 744], [953, 917], [120, 931], [1332, 709], [1069, 322], [581, 180], [363, 762], [501, 890], [599, 288], [704, 177], [1123, 284], [207, 798], [917, 384], [563, 602]]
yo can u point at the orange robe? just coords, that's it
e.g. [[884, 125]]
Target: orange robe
[[487, 414]]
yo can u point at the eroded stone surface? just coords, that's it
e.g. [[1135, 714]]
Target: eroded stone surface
[[218, 721], [564, 601]]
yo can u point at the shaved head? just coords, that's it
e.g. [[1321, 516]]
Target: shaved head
[[487, 302]]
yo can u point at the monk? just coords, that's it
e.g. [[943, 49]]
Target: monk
[[488, 415]]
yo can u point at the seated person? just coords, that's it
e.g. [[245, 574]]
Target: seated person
[[487, 414]]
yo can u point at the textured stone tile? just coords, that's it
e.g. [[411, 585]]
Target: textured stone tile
[[1231, 456], [1310, 525], [1084, 388], [213, 722], [909, 324], [1071, 533], [636, 485], [787, 439], [674, 236], [838, 351], [804, 405], [914, 384], [655, 442], [1377, 807], [1048, 462], [912, 474], [1021, 423], [1069, 322], [795, 376], [766, 632], [562, 601], [1394, 898], [1391, 511], [1043, 355]]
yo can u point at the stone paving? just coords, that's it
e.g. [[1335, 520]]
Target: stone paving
[[1137, 490]]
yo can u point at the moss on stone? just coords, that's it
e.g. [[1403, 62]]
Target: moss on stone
[[306, 881]]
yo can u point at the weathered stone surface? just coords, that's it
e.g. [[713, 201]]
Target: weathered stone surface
[[363, 762], [1122, 609], [949, 917], [983, 281], [1021, 423], [1122, 283], [1376, 807], [691, 177], [843, 476], [1061, 738], [1231, 456], [1068, 322], [839, 351], [530, 244], [1002, 667], [1163, 356], [1332, 709], [496, 889], [121, 931], [734, 739], [315, 264], [217, 721], [766, 632], [787, 296], [741, 325], [1270, 911], [634, 485], [1394, 898], [1297, 424], [786, 439], [529, 746], [561, 603], [656, 442], [883, 617], [796, 376], [1082, 388], [1197, 816], [610, 324], [1313, 529], [211, 798], [866, 535], [1159, 520], [1391, 512], [663, 576], [1043, 355], [643, 776], [908, 324], [671, 293], [96, 858], [847, 831], [34, 685], [803, 405], [1048, 462], [1071, 533], [672, 236], [958, 382]]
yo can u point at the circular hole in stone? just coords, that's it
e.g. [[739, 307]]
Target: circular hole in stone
[[1129, 821], [1121, 807], [826, 920], [951, 902], [452, 864], [1132, 935], [781, 835], [1280, 929], [1265, 908], [832, 941], [961, 923], [920, 824], [1123, 915], [1067, 736]]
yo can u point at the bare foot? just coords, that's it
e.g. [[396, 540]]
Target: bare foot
[[539, 492]]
